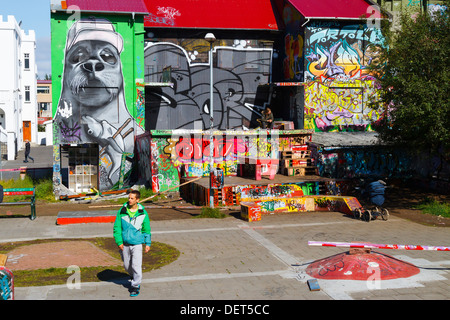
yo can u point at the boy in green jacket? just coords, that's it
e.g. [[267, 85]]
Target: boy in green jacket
[[131, 231]]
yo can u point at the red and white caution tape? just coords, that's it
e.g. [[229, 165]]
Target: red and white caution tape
[[376, 246]]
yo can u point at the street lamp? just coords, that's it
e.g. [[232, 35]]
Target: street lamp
[[211, 38]]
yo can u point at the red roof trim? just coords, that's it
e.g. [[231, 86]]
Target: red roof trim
[[337, 9], [116, 6], [211, 14]]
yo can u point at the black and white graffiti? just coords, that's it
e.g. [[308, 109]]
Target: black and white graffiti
[[238, 72]]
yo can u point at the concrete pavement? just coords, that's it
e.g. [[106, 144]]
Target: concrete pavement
[[231, 259], [42, 165]]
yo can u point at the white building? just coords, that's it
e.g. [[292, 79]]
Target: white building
[[18, 101]]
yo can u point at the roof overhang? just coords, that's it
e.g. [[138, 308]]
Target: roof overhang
[[339, 9], [100, 7], [212, 14]]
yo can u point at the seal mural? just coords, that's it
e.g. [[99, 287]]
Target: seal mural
[[92, 107]]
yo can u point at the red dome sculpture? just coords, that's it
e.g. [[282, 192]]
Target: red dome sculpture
[[361, 267]]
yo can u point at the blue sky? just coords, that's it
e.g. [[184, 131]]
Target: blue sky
[[35, 15]]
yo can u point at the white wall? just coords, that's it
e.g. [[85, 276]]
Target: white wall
[[13, 81], [29, 78]]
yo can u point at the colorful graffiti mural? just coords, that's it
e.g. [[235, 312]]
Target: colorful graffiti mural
[[92, 104], [252, 192], [253, 210], [186, 153], [361, 162], [239, 68], [341, 105], [143, 152], [338, 51], [293, 63], [340, 93], [235, 194], [332, 59]]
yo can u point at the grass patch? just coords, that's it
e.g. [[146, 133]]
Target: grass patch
[[208, 212], [160, 254], [434, 207], [44, 189]]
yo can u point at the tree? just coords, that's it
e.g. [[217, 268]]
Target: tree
[[413, 69]]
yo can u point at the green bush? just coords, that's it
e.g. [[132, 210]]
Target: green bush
[[44, 190], [208, 212]]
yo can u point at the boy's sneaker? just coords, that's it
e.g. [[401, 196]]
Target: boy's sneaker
[[134, 291]]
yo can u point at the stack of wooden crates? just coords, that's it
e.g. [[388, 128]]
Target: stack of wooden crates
[[297, 160]]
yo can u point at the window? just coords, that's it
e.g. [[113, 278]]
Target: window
[[43, 89], [27, 94], [27, 61]]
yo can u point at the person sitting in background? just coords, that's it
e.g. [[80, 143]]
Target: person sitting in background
[[266, 119]]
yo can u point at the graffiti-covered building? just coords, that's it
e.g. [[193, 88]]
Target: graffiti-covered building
[[97, 76], [127, 76], [328, 46], [245, 33]]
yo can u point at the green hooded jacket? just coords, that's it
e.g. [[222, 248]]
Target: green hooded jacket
[[132, 230]]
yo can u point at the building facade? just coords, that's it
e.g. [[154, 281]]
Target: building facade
[[308, 61], [18, 102], [328, 48], [97, 76], [242, 56]]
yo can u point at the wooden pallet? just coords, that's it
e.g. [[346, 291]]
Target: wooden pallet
[[286, 163], [301, 154], [297, 162], [300, 171]]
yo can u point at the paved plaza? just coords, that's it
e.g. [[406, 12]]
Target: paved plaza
[[231, 259]]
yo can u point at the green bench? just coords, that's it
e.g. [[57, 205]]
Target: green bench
[[20, 192]]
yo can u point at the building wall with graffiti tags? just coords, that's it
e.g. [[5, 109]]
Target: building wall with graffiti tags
[[177, 154], [335, 105], [98, 96], [363, 161], [293, 61], [331, 58], [274, 196], [340, 93], [242, 64]]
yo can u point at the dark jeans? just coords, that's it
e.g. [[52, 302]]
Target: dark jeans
[[267, 125], [27, 155]]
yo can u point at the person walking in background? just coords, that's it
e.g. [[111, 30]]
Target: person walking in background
[[27, 151], [131, 231]]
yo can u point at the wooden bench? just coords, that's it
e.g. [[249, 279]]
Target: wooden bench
[[21, 192], [254, 210]]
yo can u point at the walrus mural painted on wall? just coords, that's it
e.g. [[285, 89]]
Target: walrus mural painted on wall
[[92, 107]]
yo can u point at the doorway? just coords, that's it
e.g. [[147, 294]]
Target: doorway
[[27, 130], [82, 162]]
